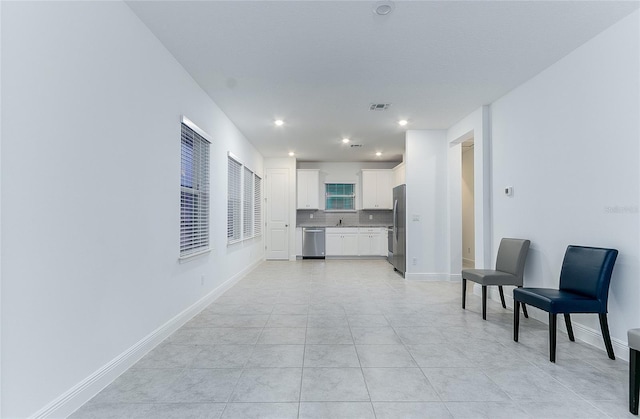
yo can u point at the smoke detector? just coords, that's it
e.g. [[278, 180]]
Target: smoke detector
[[383, 8], [379, 106]]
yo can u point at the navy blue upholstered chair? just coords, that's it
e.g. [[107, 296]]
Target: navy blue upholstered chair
[[584, 288]]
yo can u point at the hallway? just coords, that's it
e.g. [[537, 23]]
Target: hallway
[[351, 338]]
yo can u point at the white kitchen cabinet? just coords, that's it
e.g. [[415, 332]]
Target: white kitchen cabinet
[[398, 175], [372, 242], [377, 190], [341, 241], [308, 189], [350, 244]]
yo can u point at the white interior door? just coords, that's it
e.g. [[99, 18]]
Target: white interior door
[[277, 206]]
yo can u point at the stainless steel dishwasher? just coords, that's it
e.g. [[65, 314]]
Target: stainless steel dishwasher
[[313, 243]]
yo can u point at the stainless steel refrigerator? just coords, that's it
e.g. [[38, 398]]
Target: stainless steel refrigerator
[[399, 258]]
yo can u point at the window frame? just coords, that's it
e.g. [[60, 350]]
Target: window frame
[[247, 191], [247, 203], [234, 201], [257, 205], [199, 231], [344, 197]]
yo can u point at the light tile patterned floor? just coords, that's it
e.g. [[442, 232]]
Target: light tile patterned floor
[[352, 339]]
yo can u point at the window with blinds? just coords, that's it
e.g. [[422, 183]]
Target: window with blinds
[[194, 191], [257, 206], [247, 204], [234, 200], [244, 215], [340, 196]]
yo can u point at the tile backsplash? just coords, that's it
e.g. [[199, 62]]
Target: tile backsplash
[[355, 219]]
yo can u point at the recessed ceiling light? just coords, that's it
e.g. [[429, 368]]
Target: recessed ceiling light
[[345, 140], [402, 122], [383, 8], [378, 154], [278, 122], [291, 154]]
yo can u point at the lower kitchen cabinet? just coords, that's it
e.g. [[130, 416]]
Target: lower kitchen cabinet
[[351, 241], [369, 242], [341, 241]]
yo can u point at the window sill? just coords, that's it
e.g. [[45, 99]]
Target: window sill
[[187, 258]]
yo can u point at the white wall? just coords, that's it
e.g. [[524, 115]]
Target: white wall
[[567, 141], [90, 195], [426, 176]]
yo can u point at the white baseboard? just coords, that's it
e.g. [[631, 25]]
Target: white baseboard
[[433, 277], [78, 395], [581, 332], [426, 276], [469, 261]]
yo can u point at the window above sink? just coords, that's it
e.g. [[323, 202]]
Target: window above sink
[[340, 197]]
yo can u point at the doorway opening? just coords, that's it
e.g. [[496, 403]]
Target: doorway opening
[[468, 203]]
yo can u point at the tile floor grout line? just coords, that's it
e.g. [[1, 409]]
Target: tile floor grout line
[[366, 385], [304, 352]]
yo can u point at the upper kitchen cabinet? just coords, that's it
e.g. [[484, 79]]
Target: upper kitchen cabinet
[[308, 189], [399, 175], [377, 190]]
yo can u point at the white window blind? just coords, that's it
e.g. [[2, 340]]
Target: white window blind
[[340, 196], [257, 206], [244, 205], [234, 200], [194, 192], [247, 204]]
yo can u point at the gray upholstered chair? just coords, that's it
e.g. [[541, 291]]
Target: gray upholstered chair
[[512, 255], [634, 369]]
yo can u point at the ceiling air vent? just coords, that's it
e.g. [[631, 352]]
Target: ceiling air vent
[[379, 106], [356, 145]]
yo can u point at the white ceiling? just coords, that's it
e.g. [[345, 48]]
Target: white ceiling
[[318, 65]]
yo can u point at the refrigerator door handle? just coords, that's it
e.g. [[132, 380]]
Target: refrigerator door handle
[[395, 218]]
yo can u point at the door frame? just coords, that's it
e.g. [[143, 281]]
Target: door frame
[[476, 126]]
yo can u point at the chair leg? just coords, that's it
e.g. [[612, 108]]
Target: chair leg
[[552, 336], [516, 319], [605, 334], [634, 380], [524, 308], [502, 296], [567, 321], [464, 292], [484, 302]]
